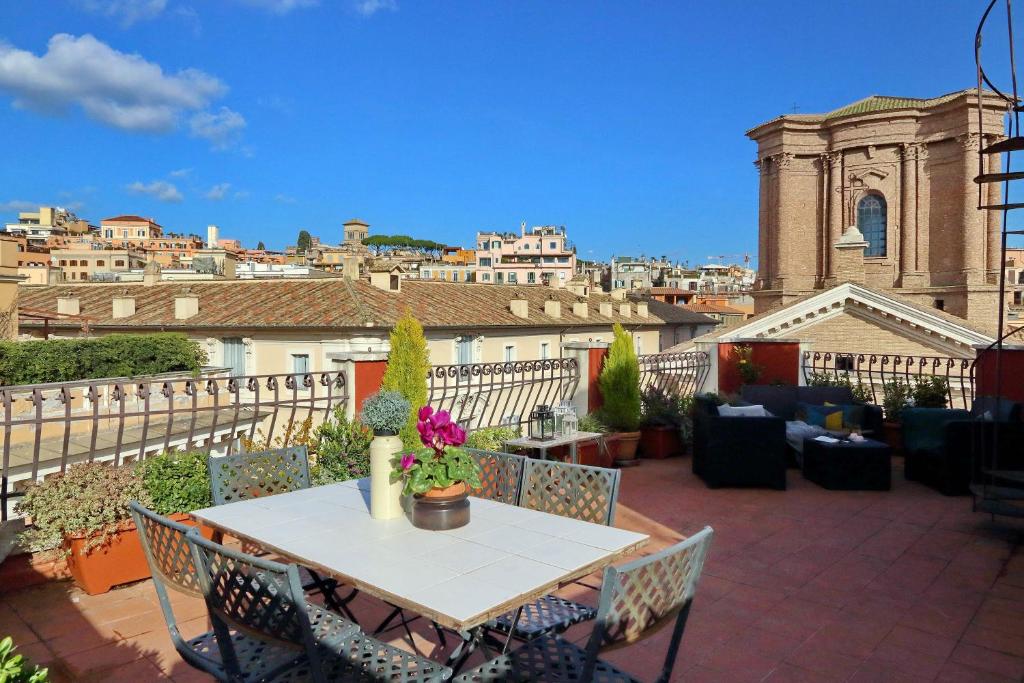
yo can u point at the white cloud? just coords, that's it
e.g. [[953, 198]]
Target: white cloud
[[221, 128], [280, 6], [161, 189], [284, 199], [127, 12], [180, 173], [218, 191], [115, 88], [18, 205], [242, 194], [370, 7]]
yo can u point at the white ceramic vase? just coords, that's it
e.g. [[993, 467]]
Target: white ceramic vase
[[385, 497]]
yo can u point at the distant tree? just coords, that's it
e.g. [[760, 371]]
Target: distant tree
[[261, 246], [304, 241], [376, 242]]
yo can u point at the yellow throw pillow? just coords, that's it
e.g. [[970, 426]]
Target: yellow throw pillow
[[834, 421]]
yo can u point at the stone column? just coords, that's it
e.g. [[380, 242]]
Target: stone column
[[994, 218], [973, 220], [835, 210], [784, 226], [908, 211]]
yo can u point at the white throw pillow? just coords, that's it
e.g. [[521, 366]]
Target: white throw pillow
[[742, 411]]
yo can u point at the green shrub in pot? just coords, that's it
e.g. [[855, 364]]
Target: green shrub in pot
[[177, 481], [386, 412], [931, 392], [342, 448]]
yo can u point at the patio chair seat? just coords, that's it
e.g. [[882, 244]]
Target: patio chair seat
[[548, 658], [363, 659], [255, 656], [548, 614]]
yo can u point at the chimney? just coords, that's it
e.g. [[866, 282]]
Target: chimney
[[151, 274], [580, 309], [520, 308], [641, 309], [605, 308], [555, 282], [553, 308], [350, 267], [626, 310], [619, 294], [123, 305], [230, 266], [212, 236], [186, 305], [68, 304]]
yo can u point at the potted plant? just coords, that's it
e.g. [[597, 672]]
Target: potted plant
[[620, 387], [341, 449], [931, 392], [660, 430], [386, 412], [896, 395], [15, 669], [749, 371], [591, 453], [84, 511], [439, 475]]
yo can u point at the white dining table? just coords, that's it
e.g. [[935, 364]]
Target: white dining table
[[505, 557]]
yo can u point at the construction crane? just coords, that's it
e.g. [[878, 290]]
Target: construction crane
[[723, 257]]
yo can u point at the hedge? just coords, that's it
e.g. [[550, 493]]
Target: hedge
[[115, 355]]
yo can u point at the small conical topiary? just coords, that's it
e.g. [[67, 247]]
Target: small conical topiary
[[620, 384], [408, 365]]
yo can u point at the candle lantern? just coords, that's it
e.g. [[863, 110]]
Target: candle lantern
[[542, 423]]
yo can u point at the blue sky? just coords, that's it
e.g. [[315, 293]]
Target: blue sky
[[623, 121]]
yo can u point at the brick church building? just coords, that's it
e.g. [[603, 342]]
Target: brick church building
[[881, 193]]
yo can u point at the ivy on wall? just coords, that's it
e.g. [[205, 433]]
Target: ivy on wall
[[115, 355]]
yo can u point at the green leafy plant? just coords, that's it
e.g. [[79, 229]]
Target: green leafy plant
[[896, 395], [296, 433], [749, 371], [686, 426], [620, 384], [931, 392], [441, 463], [342, 449], [591, 422], [89, 499], [176, 481], [408, 366], [14, 668], [861, 392], [661, 409], [113, 355], [491, 438], [386, 412]]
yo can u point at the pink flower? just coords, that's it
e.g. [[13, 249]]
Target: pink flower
[[408, 460], [440, 419], [426, 431], [425, 413], [454, 435]]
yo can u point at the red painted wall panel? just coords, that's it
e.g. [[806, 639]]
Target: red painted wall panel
[[596, 362], [1012, 370], [780, 362], [369, 376]]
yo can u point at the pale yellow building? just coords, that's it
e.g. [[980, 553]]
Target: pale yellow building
[[84, 263]]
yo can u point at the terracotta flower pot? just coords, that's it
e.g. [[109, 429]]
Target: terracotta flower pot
[[625, 451], [119, 560], [660, 442], [893, 435], [440, 509]]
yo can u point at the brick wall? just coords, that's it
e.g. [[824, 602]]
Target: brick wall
[[848, 333]]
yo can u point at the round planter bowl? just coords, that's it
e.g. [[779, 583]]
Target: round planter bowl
[[441, 509], [627, 442]]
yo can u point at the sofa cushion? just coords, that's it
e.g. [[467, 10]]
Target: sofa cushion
[[822, 395], [777, 400], [743, 411], [991, 408], [853, 414], [829, 417]]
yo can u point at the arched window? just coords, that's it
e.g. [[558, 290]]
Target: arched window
[[871, 223]]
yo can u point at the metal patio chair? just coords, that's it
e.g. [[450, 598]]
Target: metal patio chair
[[168, 551], [637, 599], [576, 491], [244, 476], [265, 600], [501, 475]]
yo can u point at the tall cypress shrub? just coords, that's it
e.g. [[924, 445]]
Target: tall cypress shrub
[[620, 384], [408, 365]]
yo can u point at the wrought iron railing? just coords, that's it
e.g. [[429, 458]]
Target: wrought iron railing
[[872, 371], [678, 374], [48, 427], [480, 395]]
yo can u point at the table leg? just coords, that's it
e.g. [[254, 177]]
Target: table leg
[[573, 458]]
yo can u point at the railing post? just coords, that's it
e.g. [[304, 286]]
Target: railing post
[[590, 358], [806, 347], [710, 384]]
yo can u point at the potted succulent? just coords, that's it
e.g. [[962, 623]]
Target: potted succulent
[[438, 476], [84, 511], [620, 387], [896, 395], [386, 412], [661, 429]]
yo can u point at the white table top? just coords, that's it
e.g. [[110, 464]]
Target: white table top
[[505, 557], [527, 442]]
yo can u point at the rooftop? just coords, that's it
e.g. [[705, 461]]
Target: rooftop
[[801, 585]]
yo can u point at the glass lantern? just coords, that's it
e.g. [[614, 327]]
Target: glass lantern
[[542, 423], [570, 424]]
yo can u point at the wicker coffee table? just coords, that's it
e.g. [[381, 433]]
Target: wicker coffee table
[[847, 465]]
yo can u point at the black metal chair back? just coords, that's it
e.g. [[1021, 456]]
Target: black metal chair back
[[501, 475], [578, 491]]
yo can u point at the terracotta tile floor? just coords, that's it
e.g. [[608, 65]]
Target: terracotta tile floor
[[801, 585]]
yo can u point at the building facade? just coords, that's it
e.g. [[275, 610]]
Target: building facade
[[881, 192], [533, 256]]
